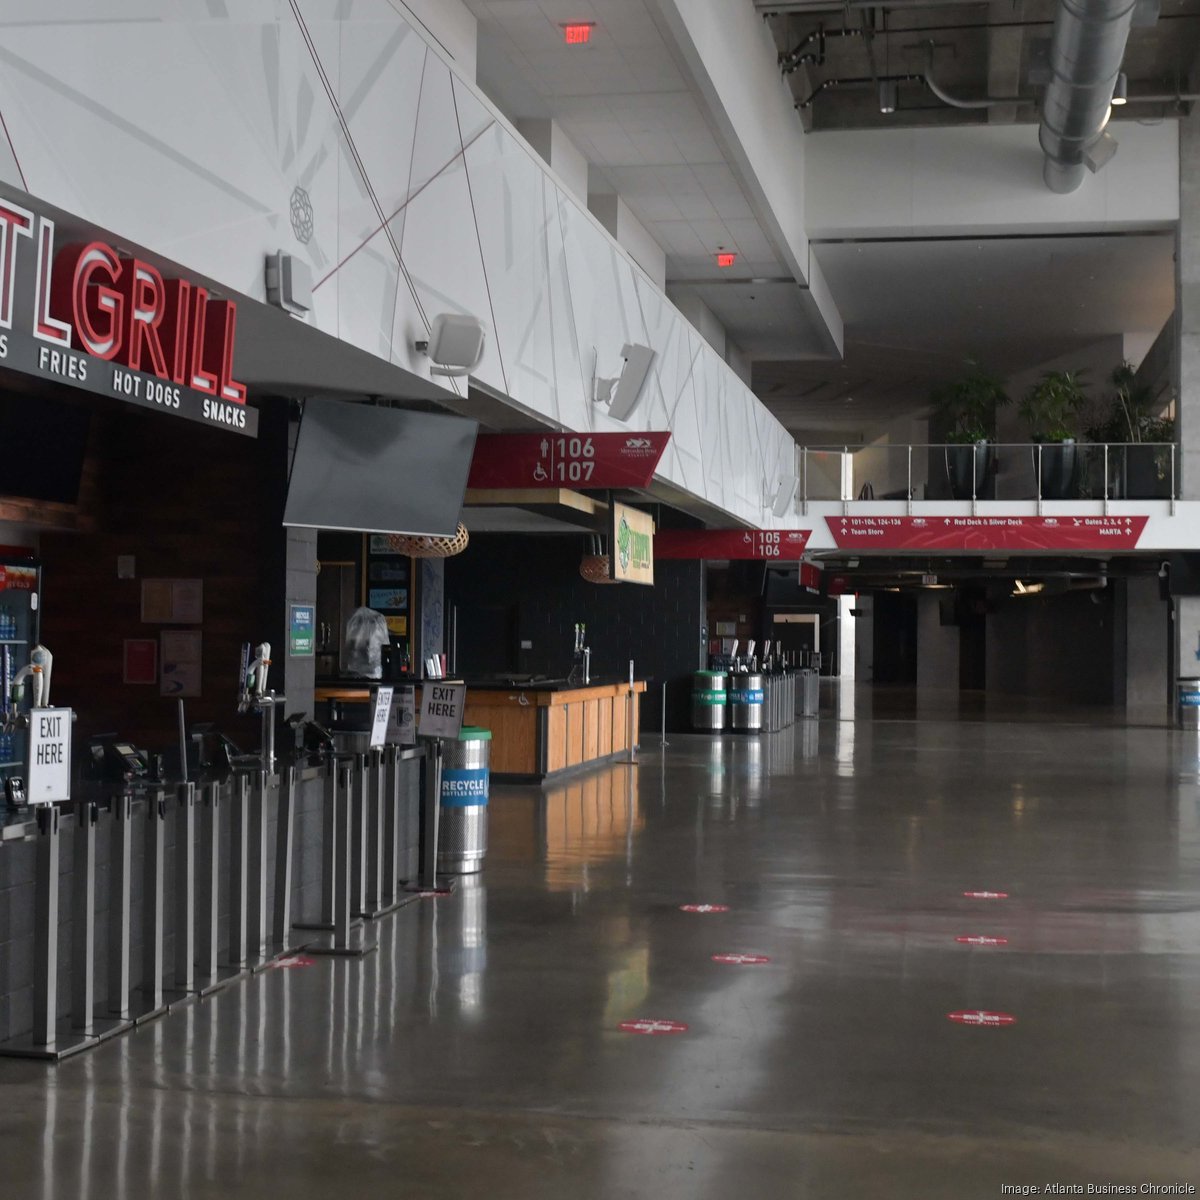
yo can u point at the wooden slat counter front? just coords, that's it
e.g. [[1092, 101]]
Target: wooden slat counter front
[[541, 731]]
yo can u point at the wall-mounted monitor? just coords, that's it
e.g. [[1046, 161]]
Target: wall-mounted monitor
[[378, 470]]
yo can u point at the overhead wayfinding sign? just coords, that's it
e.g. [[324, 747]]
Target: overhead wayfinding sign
[[782, 544], [570, 460], [986, 533], [76, 311]]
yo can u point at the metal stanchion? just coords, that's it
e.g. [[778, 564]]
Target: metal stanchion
[[344, 927], [185, 888], [258, 866], [46, 1040], [83, 919], [239, 868], [153, 883], [664, 715], [284, 834], [210, 975], [361, 812], [119, 914], [431, 779]]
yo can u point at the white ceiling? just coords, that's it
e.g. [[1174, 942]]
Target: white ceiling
[[625, 102], [915, 310], [1014, 302], [912, 310]]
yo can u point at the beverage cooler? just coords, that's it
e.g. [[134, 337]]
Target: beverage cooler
[[20, 588]]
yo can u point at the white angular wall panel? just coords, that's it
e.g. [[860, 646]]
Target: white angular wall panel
[[510, 208], [440, 249], [337, 133]]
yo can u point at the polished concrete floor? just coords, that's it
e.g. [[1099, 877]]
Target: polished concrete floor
[[479, 1051]]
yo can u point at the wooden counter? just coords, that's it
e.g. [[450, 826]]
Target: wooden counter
[[540, 733]]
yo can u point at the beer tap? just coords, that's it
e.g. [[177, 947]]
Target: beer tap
[[256, 698], [38, 671]]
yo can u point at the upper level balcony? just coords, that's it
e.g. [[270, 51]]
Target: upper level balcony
[[1092, 478]]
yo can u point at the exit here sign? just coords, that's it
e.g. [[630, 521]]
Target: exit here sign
[[442, 707]]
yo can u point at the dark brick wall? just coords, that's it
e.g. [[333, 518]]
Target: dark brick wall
[[538, 576]]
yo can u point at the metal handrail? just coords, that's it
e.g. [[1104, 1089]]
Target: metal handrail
[[1111, 453]]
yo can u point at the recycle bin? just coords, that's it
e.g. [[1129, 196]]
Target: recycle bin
[[462, 821], [709, 701]]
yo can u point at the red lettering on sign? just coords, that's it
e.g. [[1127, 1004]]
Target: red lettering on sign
[[45, 326], [981, 940], [741, 960], [85, 295], [177, 302], [14, 222], [704, 908], [218, 349], [986, 895], [198, 377], [144, 292]]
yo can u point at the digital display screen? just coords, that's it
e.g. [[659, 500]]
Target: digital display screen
[[125, 749]]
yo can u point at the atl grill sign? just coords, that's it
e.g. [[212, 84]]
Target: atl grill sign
[[166, 342]]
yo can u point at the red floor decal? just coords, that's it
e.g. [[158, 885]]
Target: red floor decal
[[294, 960], [704, 908], [986, 895], [652, 1026], [982, 941], [741, 960], [982, 1017]]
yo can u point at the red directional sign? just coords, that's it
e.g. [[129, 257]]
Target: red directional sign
[[986, 895], [290, 961], [982, 1017], [652, 1026], [740, 960], [981, 940], [786, 545], [571, 460], [704, 908], [986, 533]]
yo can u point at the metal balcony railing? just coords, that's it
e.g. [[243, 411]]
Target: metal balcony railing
[[1029, 471]]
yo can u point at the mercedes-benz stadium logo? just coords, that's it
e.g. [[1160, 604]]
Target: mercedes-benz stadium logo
[[302, 215]]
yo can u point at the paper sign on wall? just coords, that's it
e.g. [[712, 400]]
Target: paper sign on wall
[[380, 712], [442, 707], [405, 715], [49, 777]]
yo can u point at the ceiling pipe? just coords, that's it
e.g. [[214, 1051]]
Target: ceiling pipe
[[1085, 57]]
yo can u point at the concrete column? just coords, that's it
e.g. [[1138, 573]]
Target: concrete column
[[1187, 311], [937, 645], [558, 151], [1147, 652]]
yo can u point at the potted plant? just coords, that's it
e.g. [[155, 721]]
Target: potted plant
[[965, 409], [1140, 440], [1052, 407]]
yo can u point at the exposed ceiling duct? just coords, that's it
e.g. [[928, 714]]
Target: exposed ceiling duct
[[1085, 58]]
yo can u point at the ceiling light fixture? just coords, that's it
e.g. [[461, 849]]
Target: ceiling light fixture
[[889, 95], [1121, 89], [578, 33]]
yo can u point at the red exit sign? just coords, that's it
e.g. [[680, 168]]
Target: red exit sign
[[578, 33]]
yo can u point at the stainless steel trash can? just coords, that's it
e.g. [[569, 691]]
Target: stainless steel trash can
[[1187, 706], [810, 692], [709, 701], [462, 822], [746, 703]]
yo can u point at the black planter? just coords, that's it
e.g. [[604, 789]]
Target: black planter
[[969, 470], [1145, 472], [1059, 465]]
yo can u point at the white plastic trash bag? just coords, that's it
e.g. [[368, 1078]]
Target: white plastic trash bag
[[366, 632]]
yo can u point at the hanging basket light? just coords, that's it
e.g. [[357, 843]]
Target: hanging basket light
[[595, 568], [420, 546]]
